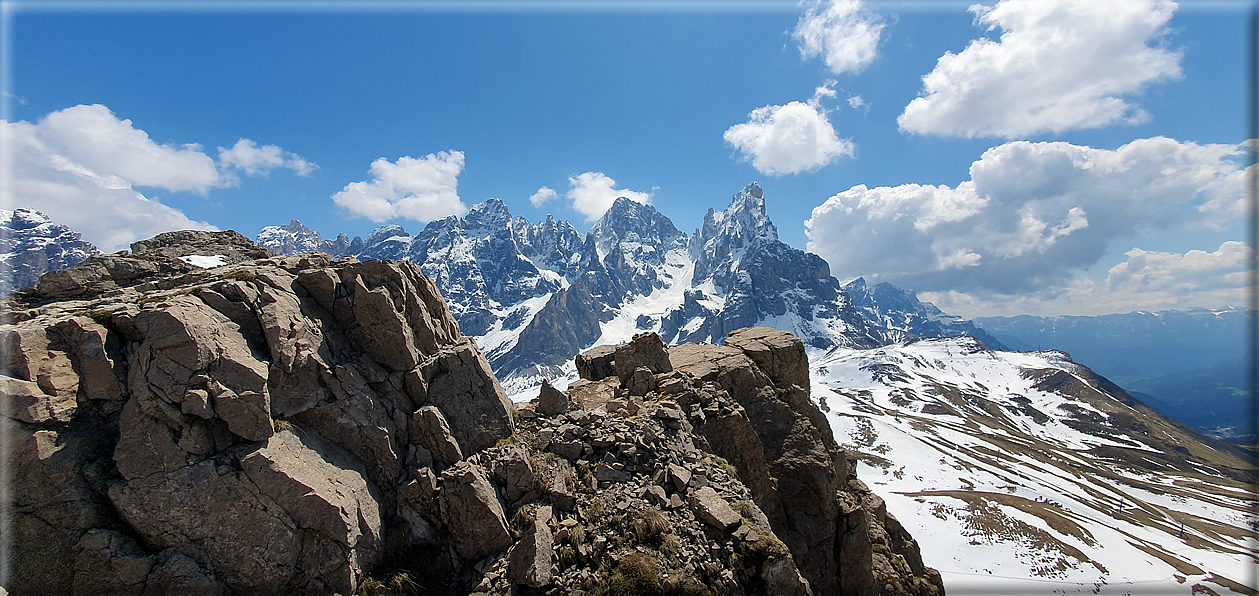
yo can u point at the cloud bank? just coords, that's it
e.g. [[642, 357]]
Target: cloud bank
[[1145, 280], [1031, 216], [253, 160], [1059, 65], [80, 166], [592, 194], [544, 194]]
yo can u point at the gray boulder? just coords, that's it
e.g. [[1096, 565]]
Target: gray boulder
[[645, 350], [551, 401], [472, 512], [596, 363]]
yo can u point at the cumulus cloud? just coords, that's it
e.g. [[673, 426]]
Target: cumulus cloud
[[1227, 268], [80, 166], [421, 189], [592, 193], [840, 31], [1145, 280], [544, 194], [253, 160], [790, 139], [1031, 215], [1059, 65], [93, 138]]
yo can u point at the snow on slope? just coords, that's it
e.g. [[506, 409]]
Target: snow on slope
[[31, 245], [645, 313], [1019, 473]]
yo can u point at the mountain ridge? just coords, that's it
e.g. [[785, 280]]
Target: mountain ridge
[[535, 295]]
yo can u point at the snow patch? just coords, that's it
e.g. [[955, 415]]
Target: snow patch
[[204, 261]]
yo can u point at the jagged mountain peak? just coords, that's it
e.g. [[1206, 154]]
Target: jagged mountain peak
[[31, 244], [726, 234], [745, 217], [490, 213], [23, 218], [386, 231], [630, 221], [893, 307], [294, 238]]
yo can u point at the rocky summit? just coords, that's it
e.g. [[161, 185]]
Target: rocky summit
[[201, 417]]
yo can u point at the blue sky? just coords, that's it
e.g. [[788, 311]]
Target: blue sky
[[1129, 195]]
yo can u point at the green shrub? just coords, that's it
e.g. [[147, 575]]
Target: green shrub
[[595, 510], [649, 525], [240, 275], [567, 557], [100, 315], [745, 508], [635, 575]]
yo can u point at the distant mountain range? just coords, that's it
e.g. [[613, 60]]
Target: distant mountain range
[[1188, 364], [535, 295], [888, 306]]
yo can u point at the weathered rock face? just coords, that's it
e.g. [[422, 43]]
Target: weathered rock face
[[157, 263], [244, 428], [303, 425], [748, 402]]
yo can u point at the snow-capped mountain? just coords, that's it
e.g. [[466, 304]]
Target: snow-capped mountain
[[31, 245], [296, 238], [536, 295], [1026, 473], [1132, 345], [1187, 364], [888, 306]]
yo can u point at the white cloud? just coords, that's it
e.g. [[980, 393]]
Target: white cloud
[[79, 166], [1145, 280], [92, 137], [789, 139], [421, 189], [592, 193], [1059, 65], [248, 157], [844, 34], [1031, 216], [544, 194], [1227, 268], [855, 101]]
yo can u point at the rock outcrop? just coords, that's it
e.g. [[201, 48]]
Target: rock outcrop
[[748, 402], [303, 425], [243, 428]]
